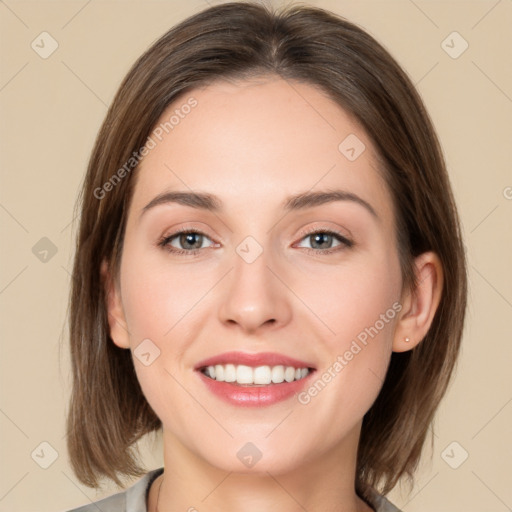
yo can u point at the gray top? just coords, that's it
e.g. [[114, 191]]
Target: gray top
[[134, 499]]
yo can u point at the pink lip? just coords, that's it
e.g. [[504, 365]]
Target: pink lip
[[253, 360], [254, 396]]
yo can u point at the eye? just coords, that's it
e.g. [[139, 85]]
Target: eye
[[185, 242], [325, 241], [190, 242]]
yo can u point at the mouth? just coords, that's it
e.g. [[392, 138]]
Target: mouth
[[243, 375], [263, 379]]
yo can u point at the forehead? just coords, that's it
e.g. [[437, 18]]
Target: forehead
[[252, 143]]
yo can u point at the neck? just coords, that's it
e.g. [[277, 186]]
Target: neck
[[190, 483]]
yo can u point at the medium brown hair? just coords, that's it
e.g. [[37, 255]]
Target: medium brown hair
[[108, 411]]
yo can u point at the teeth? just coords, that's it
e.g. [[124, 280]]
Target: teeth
[[277, 374], [230, 373], [289, 374], [244, 375], [261, 375], [219, 372]]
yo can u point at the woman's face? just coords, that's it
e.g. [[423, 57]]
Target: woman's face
[[287, 268]]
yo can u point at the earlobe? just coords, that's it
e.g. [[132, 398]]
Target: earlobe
[[116, 320], [420, 304]]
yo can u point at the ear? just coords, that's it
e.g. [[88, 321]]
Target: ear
[[419, 305], [116, 319]]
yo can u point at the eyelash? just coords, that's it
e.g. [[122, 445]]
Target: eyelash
[[345, 242], [165, 240]]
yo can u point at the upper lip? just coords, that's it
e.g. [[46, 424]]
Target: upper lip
[[254, 360]]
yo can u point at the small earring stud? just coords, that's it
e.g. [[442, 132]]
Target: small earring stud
[[407, 340]]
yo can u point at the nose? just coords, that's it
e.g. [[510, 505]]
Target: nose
[[255, 297]]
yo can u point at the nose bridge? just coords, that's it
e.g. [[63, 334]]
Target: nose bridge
[[254, 296]]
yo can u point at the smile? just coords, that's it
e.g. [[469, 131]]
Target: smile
[[261, 375], [263, 379]]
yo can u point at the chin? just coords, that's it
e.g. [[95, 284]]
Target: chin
[[257, 456]]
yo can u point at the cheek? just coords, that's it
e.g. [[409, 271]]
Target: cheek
[[158, 301], [359, 306], [157, 295], [354, 298], [163, 303]]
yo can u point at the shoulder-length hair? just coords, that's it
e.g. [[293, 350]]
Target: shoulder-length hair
[[108, 411]]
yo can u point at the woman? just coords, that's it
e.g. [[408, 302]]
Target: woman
[[269, 268]]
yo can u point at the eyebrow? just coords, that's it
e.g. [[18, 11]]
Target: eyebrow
[[209, 202]]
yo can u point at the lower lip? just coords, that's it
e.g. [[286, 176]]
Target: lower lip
[[254, 396]]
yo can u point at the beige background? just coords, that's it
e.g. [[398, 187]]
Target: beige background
[[51, 110]]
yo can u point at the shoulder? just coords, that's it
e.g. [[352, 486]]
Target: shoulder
[[132, 499], [381, 504]]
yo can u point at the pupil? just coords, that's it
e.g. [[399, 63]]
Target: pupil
[[187, 240], [320, 238]]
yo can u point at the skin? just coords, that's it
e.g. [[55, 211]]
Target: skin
[[253, 144]]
